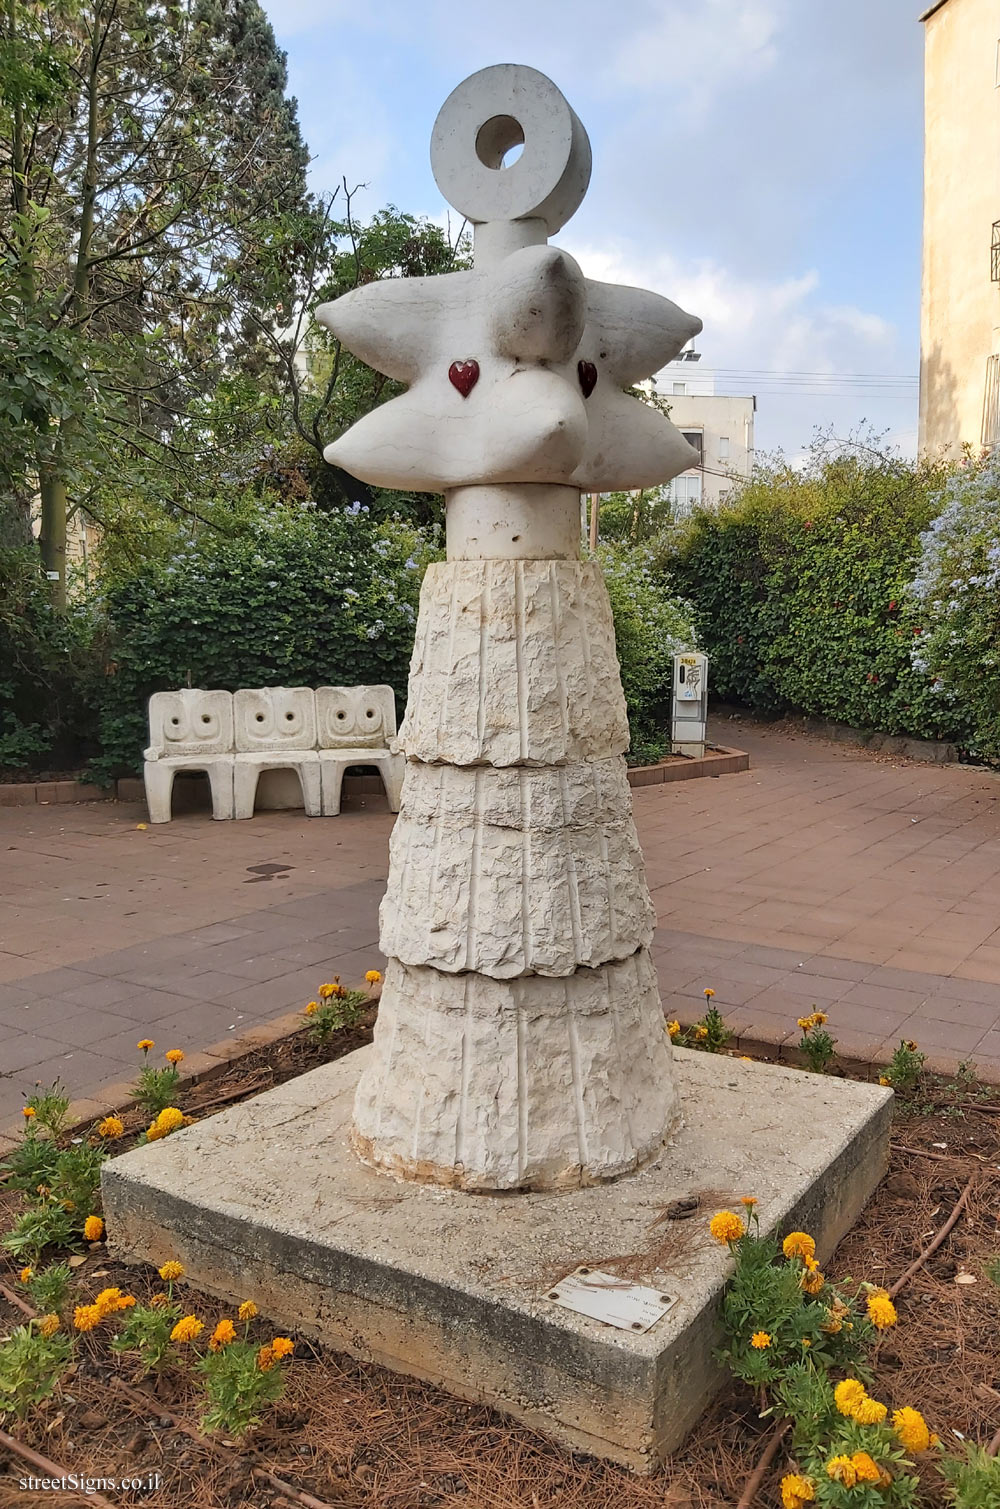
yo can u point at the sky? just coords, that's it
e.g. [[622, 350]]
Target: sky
[[756, 161]]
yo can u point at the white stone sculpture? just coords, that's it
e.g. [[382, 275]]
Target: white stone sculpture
[[189, 730], [357, 726], [275, 730], [520, 1041]]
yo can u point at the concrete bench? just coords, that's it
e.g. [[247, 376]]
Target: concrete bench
[[235, 737]]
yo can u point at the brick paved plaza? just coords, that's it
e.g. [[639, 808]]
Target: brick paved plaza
[[869, 886]]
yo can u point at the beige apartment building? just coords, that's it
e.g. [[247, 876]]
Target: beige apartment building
[[960, 303], [718, 425]]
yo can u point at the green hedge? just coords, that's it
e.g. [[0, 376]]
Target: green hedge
[[801, 586], [300, 598]]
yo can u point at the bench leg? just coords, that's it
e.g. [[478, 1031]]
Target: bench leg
[[159, 782], [332, 781], [392, 768], [220, 778], [244, 789], [311, 781]]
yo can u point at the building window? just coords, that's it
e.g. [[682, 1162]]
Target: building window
[[680, 387], [996, 70], [723, 447], [685, 491], [695, 439], [991, 403]]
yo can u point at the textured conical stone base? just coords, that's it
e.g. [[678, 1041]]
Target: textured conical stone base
[[517, 871], [531, 1083]]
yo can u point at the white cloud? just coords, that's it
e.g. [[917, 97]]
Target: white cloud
[[697, 51]]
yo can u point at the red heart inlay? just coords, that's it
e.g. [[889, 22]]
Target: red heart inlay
[[587, 373], [464, 376]]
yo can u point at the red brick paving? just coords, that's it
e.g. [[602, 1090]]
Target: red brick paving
[[825, 875]]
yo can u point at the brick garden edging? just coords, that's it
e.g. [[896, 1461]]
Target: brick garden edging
[[717, 761]]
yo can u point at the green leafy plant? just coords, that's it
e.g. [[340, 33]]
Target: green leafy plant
[[905, 1068], [240, 1379], [31, 1365], [146, 1331], [51, 1108], [76, 1179], [40, 1226], [816, 1043], [992, 1270], [49, 1289], [336, 1008], [31, 1164], [156, 1088], [973, 1479]]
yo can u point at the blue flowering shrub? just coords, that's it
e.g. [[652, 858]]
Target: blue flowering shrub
[[652, 624], [300, 597], [957, 585]]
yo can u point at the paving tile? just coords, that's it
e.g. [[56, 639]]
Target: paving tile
[[22, 1050], [931, 1032]]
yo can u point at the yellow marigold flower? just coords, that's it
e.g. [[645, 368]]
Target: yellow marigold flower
[[797, 1491], [833, 1325], [745, 1058], [847, 1395], [170, 1119], [187, 1329], [282, 1346], [911, 1045], [701, 1032], [373, 977], [144, 1044], [26, 1273], [749, 1201], [911, 1429], [48, 1325], [312, 1008], [28, 1111], [86, 1317], [126, 1302], [884, 1080], [107, 1301], [798, 1244], [111, 1127], [812, 1282], [326, 991], [726, 1227], [805, 1022], [869, 1411], [881, 1310], [224, 1333], [156, 1300], [247, 1310], [842, 1470], [806, 1341], [174, 1055], [761, 1340], [820, 1019], [154, 1133], [265, 1359], [708, 994], [93, 1229], [674, 1028], [867, 1470], [171, 1270]]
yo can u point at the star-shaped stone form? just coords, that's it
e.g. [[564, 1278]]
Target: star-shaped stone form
[[516, 374]]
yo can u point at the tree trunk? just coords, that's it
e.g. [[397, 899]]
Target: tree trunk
[[52, 540]]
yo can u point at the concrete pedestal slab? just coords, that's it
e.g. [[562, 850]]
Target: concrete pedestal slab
[[267, 1201]]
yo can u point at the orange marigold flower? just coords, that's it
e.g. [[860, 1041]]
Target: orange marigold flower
[[145, 1043], [26, 1273], [188, 1328], [312, 1008], [93, 1229], [701, 1032], [111, 1127], [169, 1119], [282, 1346], [798, 1244], [86, 1317], [708, 994], [49, 1325], [797, 1491], [911, 1429], [107, 1301], [674, 1028], [265, 1359], [224, 1333], [812, 1282], [749, 1201], [885, 1081], [171, 1270], [247, 1310], [28, 1111], [867, 1470], [174, 1055], [373, 977], [881, 1310], [761, 1340], [842, 1470], [331, 989], [726, 1227]]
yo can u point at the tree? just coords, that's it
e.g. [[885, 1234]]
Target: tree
[[153, 159]]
